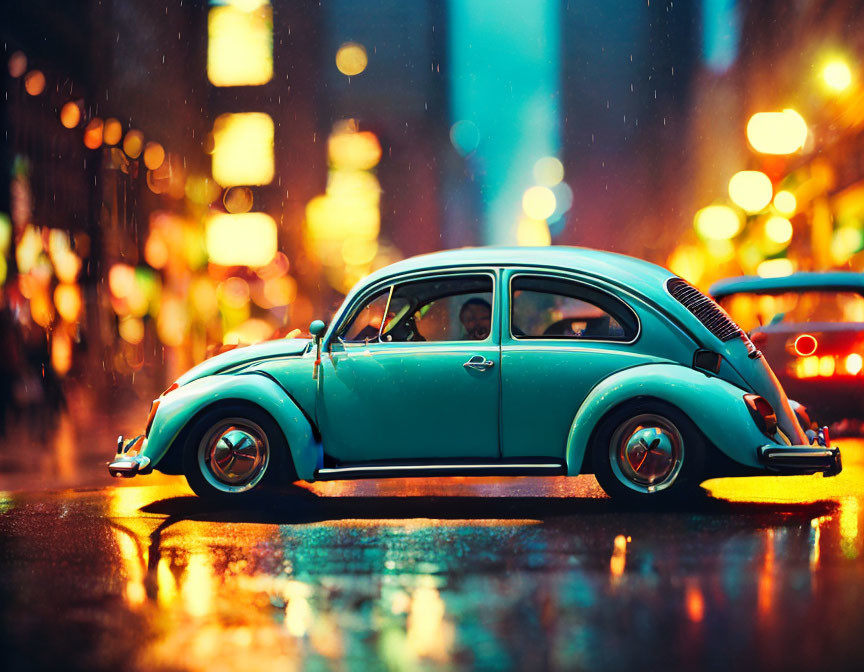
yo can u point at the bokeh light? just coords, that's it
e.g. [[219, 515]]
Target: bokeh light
[[133, 144], [538, 202], [750, 190], [778, 229], [112, 132], [777, 132], [354, 150], [785, 202], [775, 268], [243, 149], [154, 155], [351, 59], [533, 232], [836, 75], [70, 114], [67, 298], [17, 64], [853, 364], [247, 239], [93, 133], [717, 222], [465, 136], [240, 44], [238, 199], [34, 82], [548, 171]]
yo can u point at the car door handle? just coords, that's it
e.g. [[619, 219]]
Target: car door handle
[[479, 363]]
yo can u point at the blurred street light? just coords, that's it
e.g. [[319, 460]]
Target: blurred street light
[[785, 202], [837, 76], [777, 132], [717, 222], [778, 229]]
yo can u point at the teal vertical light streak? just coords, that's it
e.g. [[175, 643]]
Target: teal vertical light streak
[[504, 59]]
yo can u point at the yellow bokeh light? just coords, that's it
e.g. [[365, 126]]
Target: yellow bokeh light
[[93, 134], [717, 222], [133, 144], [548, 171], [785, 202], [112, 132], [775, 268], [61, 353], [34, 82], [533, 232], [351, 59], [247, 239], [778, 229], [240, 44], [70, 114], [131, 330], [837, 76], [354, 150], [248, 333], [243, 149], [154, 155], [750, 190], [777, 132], [538, 202], [67, 298]]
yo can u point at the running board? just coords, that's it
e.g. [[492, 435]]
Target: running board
[[414, 470]]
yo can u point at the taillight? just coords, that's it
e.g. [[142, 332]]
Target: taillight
[[805, 345], [173, 387], [762, 413], [153, 407], [853, 364]]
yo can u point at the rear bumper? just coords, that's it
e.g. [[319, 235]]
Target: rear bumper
[[801, 459], [126, 465]]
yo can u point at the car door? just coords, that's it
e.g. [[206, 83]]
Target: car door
[[560, 337], [416, 379]]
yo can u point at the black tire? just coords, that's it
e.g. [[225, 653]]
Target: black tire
[[626, 426], [219, 480]]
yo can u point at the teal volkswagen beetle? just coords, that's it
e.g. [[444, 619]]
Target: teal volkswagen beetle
[[489, 361]]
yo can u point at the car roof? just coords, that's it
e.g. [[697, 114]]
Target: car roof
[[637, 274], [795, 281]]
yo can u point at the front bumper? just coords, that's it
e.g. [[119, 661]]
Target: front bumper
[[819, 457], [126, 465]]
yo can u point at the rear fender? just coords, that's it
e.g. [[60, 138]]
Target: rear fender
[[715, 406], [181, 406]]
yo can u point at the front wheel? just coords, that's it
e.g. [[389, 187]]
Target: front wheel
[[232, 453], [648, 451]]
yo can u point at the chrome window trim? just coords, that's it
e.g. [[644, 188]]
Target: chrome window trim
[[580, 281], [416, 276]]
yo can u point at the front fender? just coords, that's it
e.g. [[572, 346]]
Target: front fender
[[714, 405], [177, 408]]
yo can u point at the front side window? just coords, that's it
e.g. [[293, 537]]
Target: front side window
[[543, 307], [366, 323], [454, 308]]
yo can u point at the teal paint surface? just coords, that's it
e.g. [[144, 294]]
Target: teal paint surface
[[504, 57], [796, 281]]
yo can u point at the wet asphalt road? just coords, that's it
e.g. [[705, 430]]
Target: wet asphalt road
[[489, 574]]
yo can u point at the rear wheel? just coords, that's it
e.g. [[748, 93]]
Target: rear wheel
[[233, 453], [648, 451]]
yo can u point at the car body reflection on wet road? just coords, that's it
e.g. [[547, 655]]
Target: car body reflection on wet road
[[436, 574]]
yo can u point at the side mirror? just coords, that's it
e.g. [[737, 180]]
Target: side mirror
[[317, 329]]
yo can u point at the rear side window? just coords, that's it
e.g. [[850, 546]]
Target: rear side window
[[554, 308]]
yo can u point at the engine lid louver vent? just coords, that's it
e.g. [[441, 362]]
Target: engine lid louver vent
[[715, 319]]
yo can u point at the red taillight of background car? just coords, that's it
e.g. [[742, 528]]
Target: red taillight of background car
[[805, 345], [153, 407], [762, 413]]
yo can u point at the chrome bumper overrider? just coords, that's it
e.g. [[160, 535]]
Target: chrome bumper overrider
[[819, 457], [125, 465]]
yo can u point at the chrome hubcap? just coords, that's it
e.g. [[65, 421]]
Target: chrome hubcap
[[647, 453], [233, 455]]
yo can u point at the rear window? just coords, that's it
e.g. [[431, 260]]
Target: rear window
[[751, 310]]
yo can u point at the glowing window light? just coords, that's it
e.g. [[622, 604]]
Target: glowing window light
[[240, 44], [70, 115], [751, 190], [351, 59], [247, 239], [837, 76], [243, 149], [717, 222], [533, 232], [775, 268], [785, 202], [112, 132], [853, 364], [538, 202], [548, 171], [777, 132], [778, 229]]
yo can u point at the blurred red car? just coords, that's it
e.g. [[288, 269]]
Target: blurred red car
[[810, 327]]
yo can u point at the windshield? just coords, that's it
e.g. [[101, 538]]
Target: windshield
[[754, 310]]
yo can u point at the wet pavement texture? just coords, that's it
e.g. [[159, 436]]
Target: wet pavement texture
[[502, 573]]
